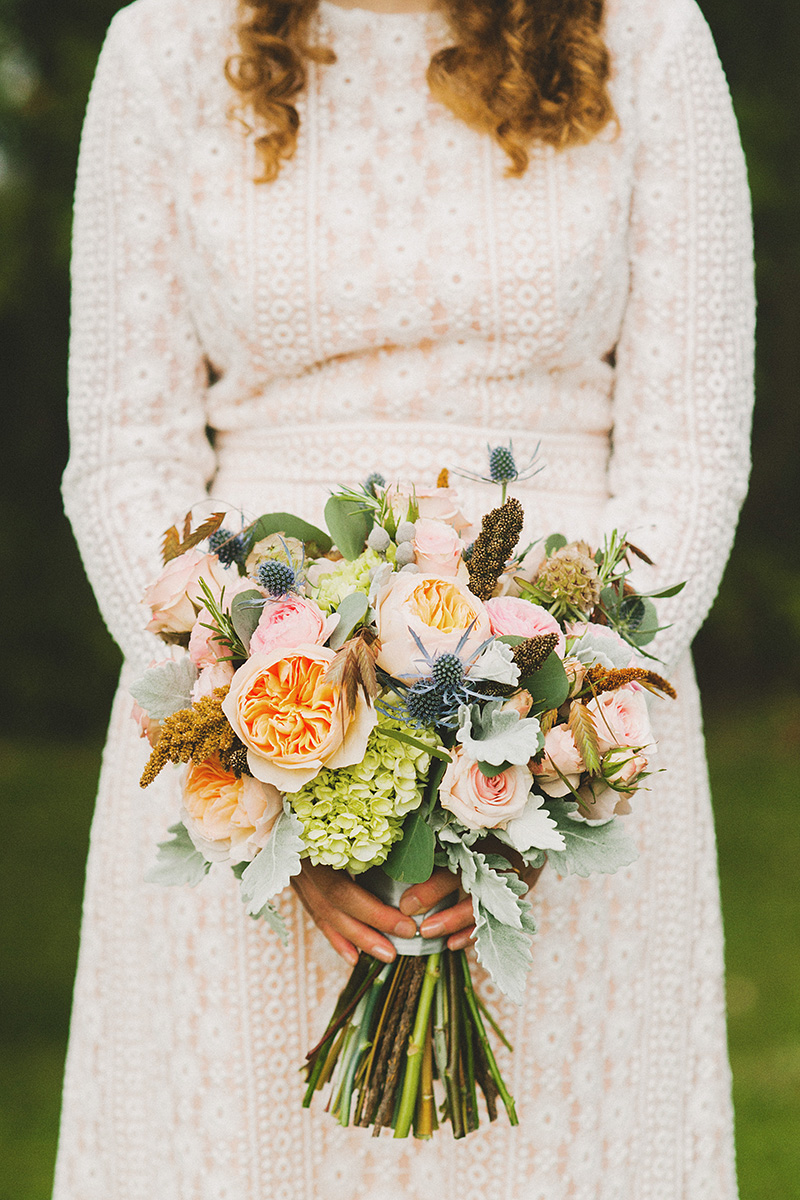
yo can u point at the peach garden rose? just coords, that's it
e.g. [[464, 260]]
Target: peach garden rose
[[228, 819], [438, 610], [292, 720], [175, 598]]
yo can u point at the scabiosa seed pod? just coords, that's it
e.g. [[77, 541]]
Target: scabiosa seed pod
[[276, 578], [571, 576], [502, 467]]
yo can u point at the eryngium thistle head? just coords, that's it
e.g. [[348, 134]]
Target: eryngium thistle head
[[228, 547], [570, 575], [494, 546], [424, 701], [373, 482], [276, 578], [448, 671], [502, 467]]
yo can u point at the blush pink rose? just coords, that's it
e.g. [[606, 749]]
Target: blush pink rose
[[599, 802], [204, 649], [290, 621], [175, 598], [437, 547], [438, 610], [215, 675], [438, 504], [148, 728], [512, 614], [621, 718], [560, 754], [480, 802]]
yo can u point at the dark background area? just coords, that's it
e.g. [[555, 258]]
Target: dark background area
[[55, 699]]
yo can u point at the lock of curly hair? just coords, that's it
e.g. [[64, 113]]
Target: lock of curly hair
[[522, 71]]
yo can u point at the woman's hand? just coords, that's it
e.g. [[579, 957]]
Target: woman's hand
[[351, 918], [457, 921]]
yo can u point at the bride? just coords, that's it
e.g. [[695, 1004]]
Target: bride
[[313, 240]]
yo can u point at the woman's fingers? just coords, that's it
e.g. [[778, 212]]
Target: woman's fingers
[[421, 897], [449, 920], [347, 915], [459, 940]]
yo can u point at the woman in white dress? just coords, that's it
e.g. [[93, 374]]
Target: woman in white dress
[[391, 300]]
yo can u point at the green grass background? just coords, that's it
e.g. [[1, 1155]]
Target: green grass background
[[49, 789]]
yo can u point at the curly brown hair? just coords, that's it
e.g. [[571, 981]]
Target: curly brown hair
[[520, 70]]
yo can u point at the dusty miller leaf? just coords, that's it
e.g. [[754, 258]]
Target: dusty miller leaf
[[505, 953], [165, 689], [178, 861], [495, 737], [590, 849], [272, 868], [493, 892], [273, 918]]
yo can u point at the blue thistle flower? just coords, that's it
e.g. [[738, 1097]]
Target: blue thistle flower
[[502, 467], [373, 482], [423, 702], [277, 578], [447, 672], [228, 547]]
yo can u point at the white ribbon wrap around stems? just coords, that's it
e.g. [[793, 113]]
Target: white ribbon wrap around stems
[[389, 891]]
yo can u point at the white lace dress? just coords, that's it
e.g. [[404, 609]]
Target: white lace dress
[[393, 303]]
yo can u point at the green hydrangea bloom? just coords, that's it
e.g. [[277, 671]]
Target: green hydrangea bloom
[[346, 577], [352, 816]]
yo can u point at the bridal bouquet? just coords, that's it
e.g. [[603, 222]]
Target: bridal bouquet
[[384, 697]]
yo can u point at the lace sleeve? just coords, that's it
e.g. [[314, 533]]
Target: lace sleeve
[[139, 455], [684, 390]]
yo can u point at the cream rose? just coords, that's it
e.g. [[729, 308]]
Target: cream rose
[[621, 718], [215, 675], [228, 819], [512, 614], [600, 802], [560, 755], [437, 548], [291, 621], [440, 504], [439, 611], [481, 802], [292, 720], [175, 598]]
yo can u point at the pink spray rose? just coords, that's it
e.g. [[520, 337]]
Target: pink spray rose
[[291, 621], [437, 547], [480, 802], [512, 614], [175, 598], [599, 802], [560, 754], [621, 718], [215, 675]]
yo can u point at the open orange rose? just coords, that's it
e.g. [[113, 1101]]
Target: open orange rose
[[292, 720]]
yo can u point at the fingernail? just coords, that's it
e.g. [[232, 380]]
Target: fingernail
[[459, 941], [432, 928], [411, 906], [384, 953], [350, 956], [405, 928]]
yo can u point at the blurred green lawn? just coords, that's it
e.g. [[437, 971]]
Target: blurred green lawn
[[48, 793]]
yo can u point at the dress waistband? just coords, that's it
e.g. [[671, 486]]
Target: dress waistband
[[337, 454]]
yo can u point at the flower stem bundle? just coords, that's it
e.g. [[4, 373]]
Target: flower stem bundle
[[397, 1031]]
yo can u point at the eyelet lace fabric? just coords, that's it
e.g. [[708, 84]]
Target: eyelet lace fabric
[[393, 302]]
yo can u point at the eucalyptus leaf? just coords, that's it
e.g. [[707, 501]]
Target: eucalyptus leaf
[[349, 523], [246, 610], [352, 611], [589, 849], [272, 868], [178, 861], [315, 540], [165, 689], [556, 541], [646, 627], [411, 859], [549, 685], [666, 593]]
